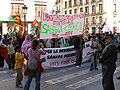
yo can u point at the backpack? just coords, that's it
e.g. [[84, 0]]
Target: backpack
[[32, 64]]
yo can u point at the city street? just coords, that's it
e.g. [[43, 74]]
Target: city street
[[66, 78]]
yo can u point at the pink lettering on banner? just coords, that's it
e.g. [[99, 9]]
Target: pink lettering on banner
[[68, 61], [81, 16], [68, 33], [55, 35], [57, 19], [54, 63]]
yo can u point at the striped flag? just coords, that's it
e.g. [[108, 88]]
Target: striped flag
[[18, 21]]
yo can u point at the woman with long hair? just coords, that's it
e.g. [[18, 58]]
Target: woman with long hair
[[35, 51]]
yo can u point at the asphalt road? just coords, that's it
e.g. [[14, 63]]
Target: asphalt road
[[66, 78]]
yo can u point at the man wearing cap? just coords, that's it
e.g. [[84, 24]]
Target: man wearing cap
[[108, 60]]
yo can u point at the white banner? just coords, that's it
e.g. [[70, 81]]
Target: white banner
[[60, 57], [87, 51], [55, 26]]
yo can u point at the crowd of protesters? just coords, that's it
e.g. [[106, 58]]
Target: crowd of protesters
[[26, 46]]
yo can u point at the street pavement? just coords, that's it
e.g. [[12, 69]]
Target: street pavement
[[66, 78]]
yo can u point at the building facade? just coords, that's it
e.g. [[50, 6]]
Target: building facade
[[96, 12], [34, 11]]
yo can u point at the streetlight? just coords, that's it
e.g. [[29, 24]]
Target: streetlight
[[24, 13]]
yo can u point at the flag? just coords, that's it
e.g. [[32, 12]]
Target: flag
[[102, 26], [86, 31], [34, 24], [18, 21]]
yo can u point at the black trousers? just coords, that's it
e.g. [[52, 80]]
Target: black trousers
[[11, 61], [1, 61], [78, 57], [107, 74]]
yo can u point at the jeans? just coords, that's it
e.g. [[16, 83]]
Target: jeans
[[93, 60], [31, 75]]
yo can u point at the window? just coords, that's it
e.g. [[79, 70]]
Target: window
[[100, 8], [81, 2], [93, 0], [65, 12], [114, 7], [38, 13], [86, 20], [100, 19], [81, 9], [75, 2], [87, 1], [75, 10], [70, 3], [93, 9], [70, 11], [65, 4], [87, 10], [93, 20]]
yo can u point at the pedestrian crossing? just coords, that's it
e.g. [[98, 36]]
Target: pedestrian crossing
[[80, 83]]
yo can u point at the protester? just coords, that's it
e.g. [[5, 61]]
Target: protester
[[35, 52], [66, 44], [11, 55], [4, 40], [1, 57], [26, 44], [93, 58], [78, 45], [108, 60], [19, 58]]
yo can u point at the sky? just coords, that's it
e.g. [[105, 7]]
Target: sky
[[50, 4]]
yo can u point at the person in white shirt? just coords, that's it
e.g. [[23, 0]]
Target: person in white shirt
[[94, 47]]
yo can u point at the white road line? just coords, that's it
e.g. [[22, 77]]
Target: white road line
[[5, 80], [88, 81], [66, 77], [3, 72]]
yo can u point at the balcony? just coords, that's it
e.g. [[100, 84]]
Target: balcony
[[93, 14], [100, 1], [93, 1]]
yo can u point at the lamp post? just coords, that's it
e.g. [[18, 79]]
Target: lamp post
[[24, 13]]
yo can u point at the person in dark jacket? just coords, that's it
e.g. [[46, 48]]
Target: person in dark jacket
[[78, 46], [108, 59]]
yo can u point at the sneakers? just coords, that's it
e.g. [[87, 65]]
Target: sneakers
[[19, 86], [96, 68], [90, 69], [77, 66]]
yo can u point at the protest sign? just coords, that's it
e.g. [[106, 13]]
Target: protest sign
[[55, 26], [60, 57], [87, 51]]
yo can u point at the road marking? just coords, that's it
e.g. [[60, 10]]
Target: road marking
[[7, 80], [2, 72], [88, 81], [66, 77]]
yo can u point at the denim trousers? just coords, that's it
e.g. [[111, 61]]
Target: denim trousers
[[93, 60], [31, 75]]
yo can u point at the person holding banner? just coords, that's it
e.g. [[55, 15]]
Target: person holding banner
[[78, 46]]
